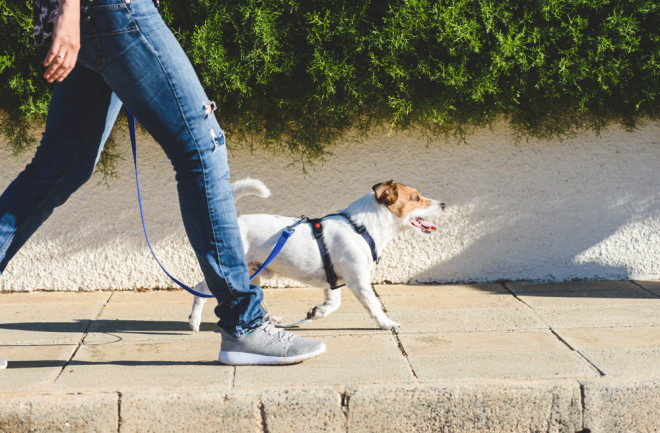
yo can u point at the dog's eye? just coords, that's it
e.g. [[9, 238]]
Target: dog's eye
[[417, 198]]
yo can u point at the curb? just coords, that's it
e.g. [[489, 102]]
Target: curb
[[595, 406]]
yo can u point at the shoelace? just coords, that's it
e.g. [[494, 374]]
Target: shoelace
[[282, 334]]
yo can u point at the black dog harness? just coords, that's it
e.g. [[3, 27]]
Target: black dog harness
[[317, 230]]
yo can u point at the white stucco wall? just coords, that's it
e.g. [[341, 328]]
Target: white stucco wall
[[585, 208]]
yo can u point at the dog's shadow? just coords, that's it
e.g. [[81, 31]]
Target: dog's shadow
[[54, 363], [150, 327], [146, 327]]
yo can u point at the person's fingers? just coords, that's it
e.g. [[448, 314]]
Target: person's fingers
[[56, 67], [62, 72], [52, 53]]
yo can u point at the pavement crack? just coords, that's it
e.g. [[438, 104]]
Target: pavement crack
[[577, 353], [345, 401], [81, 341], [345, 407], [120, 420], [644, 288], [398, 341], [405, 356], [264, 423], [583, 406]]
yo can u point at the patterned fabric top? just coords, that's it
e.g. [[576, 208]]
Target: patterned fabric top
[[45, 12]]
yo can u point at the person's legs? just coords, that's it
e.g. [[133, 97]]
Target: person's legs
[[128, 44], [147, 68], [80, 118]]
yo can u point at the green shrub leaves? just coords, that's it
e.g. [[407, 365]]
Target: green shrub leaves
[[296, 76]]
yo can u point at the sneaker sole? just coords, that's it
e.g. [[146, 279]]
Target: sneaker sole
[[242, 358]]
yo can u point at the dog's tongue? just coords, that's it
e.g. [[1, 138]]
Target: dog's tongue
[[424, 225]]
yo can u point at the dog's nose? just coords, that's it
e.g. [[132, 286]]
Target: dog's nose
[[442, 206]]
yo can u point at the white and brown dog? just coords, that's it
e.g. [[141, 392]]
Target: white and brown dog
[[385, 212]]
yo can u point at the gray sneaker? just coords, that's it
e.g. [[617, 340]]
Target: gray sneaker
[[3, 363], [267, 345]]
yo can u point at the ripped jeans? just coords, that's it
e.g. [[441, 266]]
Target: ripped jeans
[[129, 56]]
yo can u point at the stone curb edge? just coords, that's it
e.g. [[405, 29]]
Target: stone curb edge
[[593, 405]]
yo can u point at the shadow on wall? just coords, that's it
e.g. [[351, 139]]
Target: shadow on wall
[[568, 218]]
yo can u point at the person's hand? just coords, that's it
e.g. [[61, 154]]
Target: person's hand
[[63, 53]]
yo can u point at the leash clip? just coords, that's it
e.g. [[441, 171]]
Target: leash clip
[[292, 228]]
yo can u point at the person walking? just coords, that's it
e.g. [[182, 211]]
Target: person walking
[[109, 53]]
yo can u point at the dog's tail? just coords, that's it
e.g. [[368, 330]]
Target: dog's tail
[[247, 186]]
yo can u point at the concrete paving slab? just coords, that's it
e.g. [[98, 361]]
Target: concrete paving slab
[[603, 299], [190, 411], [460, 309], [620, 351], [82, 413], [30, 298], [610, 316], [442, 301], [520, 288], [617, 338], [303, 411], [150, 320], [433, 289], [45, 323], [653, 286], [33, 368], [298, 301], [145, 365], [471, 407], [359, 359], [622, 405], [338, 324], [434, 320], [293, 304], [643, 363], [492, 355]]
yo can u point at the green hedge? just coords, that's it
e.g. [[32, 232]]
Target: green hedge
[[298, 75]]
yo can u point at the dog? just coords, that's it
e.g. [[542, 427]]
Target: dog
[[385, 212]]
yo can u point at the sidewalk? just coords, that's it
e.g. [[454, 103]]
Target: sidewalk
[[569, 357]]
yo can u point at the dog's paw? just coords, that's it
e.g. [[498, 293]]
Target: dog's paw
[[317, 312], [389, 324], [194, 324]]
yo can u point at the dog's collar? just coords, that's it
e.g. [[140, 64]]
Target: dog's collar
[[317, 230]]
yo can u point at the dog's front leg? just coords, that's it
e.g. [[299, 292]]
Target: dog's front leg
[[332, 302], [365, 293], [195, 317]]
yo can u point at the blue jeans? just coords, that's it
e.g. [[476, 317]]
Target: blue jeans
[[129, 56]]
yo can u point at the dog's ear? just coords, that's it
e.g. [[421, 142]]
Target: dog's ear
[[386, 192]]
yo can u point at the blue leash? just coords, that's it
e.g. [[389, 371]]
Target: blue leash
[[288, 231]]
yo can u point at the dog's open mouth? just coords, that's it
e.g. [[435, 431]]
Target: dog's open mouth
[[423, 225]]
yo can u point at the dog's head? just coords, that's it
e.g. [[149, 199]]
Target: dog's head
[[408, 205]]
